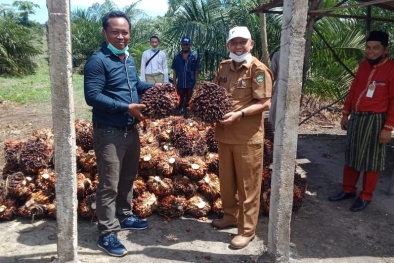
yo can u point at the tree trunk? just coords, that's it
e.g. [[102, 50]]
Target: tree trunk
[[60, 65], [264, 42]]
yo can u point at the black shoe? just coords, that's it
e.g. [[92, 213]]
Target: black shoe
[[359, 205], [341, 196]]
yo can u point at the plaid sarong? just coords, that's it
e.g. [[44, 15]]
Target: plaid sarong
[[363, 150]]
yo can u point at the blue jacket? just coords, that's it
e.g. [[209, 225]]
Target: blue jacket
[[110, 85], [185, 69]]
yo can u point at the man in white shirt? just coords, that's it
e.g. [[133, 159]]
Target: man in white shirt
[[154, 63]]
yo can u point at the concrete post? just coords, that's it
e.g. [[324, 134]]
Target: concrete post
[[60, 66], [286, 132]]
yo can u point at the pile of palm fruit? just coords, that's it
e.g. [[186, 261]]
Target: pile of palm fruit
[[178, 168]]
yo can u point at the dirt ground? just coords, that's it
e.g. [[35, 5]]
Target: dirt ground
[[321, 232]]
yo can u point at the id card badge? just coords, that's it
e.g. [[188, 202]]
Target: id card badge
[[371, 90]]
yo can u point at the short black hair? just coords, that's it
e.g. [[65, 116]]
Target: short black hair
[[158, 39], [113, 14]]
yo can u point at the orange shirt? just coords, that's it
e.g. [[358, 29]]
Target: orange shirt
[[249, 83], [381, 76]]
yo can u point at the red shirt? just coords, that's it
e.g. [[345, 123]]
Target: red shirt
[[381, 77]]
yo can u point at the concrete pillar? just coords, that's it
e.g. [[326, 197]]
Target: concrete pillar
[[60, 67], [286, 131]]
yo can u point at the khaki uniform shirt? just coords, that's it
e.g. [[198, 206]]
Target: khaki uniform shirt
[[251, 82]]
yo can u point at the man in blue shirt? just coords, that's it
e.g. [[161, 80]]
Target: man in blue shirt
[[112, 87], [185, 67]]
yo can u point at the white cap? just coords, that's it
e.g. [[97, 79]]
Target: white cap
[[239, 31]]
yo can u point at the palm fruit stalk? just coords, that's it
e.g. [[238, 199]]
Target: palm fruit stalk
[[198, 206], [217, 206], [145, 204], [160, 101], [165, 164], [184, 186], [210, 102], [149, 157], [209, 186], [172, 206], [159, 186], [46, 181], [212, 160], [35, 155], [193, 167], [12, 151], [84, 134], [87, 207]]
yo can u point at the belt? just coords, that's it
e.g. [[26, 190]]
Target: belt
[[128, 128]]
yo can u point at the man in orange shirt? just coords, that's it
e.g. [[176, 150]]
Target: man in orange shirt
[[370, 104], [241, 135]]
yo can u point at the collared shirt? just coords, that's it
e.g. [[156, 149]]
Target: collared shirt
[[247, 84], [381, 78], [110, 85], [185, 69], [157, 65]]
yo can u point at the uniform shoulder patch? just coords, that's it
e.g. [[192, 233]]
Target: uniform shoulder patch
[[259, 77]]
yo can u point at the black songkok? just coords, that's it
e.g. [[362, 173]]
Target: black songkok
[[383, 37]]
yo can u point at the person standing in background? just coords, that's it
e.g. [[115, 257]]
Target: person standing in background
[[185, 66], [154, 68]]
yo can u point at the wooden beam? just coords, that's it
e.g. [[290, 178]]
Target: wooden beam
[[373, 2]]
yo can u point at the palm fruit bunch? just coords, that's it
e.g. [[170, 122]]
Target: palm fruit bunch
[[45, 135], [35, 206], [18, 186], [210, 138], [268, 143], [165, 164], [209, 186], [210, 102], [212, 160], [298, 191], [8, 206], [186, 138], [160, 101], [184, 186], [139, 186], [265, 195], [159, 186], [149, 158], [12, 150], [84, 134], [87, 207], [145, 204], [172, 206], [84, 186], [51, 210], [198, 206], [193, 167], [217, 206], [87, 162], [35, 155], [46, 181]]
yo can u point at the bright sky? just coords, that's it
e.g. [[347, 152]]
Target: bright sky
[[158, 8]]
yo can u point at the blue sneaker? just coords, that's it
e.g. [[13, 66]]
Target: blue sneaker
[[111, 244], [133, 222]]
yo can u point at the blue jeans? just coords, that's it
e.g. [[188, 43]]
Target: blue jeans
[[117, 154]]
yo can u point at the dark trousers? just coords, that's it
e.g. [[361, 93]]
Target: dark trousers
[[117, 154], [185, 95]]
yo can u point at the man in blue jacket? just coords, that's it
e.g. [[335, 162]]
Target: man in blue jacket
[[185, 67], [112, 87]]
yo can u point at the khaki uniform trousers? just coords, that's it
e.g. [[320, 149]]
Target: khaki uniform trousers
[[154, 78], [240, 174]]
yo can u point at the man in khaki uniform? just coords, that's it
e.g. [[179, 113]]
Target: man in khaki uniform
[[241, 136]]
